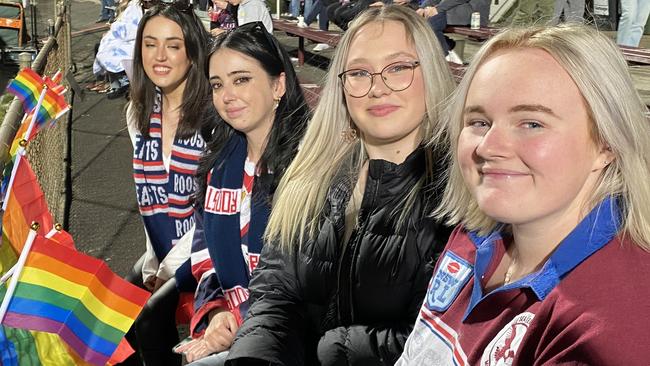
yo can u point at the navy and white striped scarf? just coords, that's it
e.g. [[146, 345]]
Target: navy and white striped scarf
[[233, 259], [164, 197]]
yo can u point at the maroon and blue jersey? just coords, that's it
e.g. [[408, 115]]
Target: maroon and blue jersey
[[587, 305]]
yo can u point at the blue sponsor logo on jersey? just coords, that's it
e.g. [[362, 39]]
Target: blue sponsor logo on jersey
[[450, 277]]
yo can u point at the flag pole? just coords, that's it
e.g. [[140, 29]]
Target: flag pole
[[11, 270], [19, 156], [18, 268]]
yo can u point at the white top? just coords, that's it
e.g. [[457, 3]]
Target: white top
[[254, 11]]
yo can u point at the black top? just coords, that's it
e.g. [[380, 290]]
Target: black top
[[332, 303]]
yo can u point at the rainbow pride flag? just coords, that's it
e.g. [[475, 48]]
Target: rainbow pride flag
[[24, 202], [63, 291], [28, 86]]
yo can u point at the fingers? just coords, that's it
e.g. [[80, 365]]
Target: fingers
[[197, 351], [158, 284], [219, 337], [232, 323], [186, 346]]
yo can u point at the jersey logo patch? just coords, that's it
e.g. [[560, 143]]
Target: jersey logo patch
[[503, 348], [451, 276]]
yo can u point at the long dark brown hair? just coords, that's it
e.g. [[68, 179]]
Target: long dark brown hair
[[291, 116], [196, 95]]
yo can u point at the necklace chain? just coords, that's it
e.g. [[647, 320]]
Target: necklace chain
[[511, 268]]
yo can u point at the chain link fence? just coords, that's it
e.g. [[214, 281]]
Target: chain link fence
[[47, 152]]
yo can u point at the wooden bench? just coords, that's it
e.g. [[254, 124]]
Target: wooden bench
[[291, 28], [636, 55], [480, 35], [632, 55]]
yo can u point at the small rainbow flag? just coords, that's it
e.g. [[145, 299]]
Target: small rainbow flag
[[63, 291], [24, 203], [28, 86]]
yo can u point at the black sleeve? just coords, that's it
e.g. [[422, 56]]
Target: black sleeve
[[275, 326]]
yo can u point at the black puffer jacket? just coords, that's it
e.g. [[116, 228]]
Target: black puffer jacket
[[331, 304]]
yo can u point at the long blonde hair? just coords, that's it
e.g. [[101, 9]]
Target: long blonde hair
[[618, 115], [301, 194]]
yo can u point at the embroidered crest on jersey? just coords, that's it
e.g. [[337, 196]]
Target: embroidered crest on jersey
[[450, 277], [503, 348]]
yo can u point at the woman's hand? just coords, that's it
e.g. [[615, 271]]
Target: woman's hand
[[216, 31], [428, 11], [218, 336]]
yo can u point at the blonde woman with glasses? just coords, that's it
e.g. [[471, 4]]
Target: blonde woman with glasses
[[349, 245], [548, 184]]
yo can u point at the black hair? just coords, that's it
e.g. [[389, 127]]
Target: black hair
[[291, 116], [197, 91]]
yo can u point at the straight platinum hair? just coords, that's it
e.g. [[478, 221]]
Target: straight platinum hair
[[302, 192], [618, 115]]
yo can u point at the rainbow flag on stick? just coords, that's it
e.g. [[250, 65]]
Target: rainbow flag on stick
[[27, 86], [24, 203], [76, 296], [44, 98]]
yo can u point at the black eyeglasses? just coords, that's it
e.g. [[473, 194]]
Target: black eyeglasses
[[180, 5], [397, 76]]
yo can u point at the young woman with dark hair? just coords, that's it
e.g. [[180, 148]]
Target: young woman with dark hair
[[262, 118], [169, 95]]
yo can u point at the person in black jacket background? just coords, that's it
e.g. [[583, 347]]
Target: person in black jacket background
[[350, 245]]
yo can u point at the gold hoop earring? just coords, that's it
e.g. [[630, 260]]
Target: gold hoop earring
[[277, 103]]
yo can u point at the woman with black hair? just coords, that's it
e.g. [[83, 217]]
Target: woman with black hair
[[167, 111], [263, 115]]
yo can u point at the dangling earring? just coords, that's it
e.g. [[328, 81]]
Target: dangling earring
[[349, 135], [277, 103]]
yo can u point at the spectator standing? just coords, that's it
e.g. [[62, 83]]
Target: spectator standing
[[634, 15], [248, 11], [107, 12], [294, 7], [573, 10], [529, 12], [115, 52], [453, 12]]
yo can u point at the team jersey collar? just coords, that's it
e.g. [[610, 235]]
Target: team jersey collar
[[597, 229]]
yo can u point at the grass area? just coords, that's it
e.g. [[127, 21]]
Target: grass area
[[5, 100]]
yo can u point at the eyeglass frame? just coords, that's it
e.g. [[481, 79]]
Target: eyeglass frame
[[414, 64]]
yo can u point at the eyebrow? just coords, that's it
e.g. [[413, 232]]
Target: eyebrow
[[474, 109], [391, 56], [517, 108], [167, 39], [236, 72], [533, 108]]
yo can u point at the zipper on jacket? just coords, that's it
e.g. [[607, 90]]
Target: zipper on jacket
[[345, 308]]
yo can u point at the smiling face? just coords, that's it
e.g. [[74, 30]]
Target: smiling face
[[164, 57], [526, 150], [243, 93], [385, 116]]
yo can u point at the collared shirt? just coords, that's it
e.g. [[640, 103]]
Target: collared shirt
[[588, 304]]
